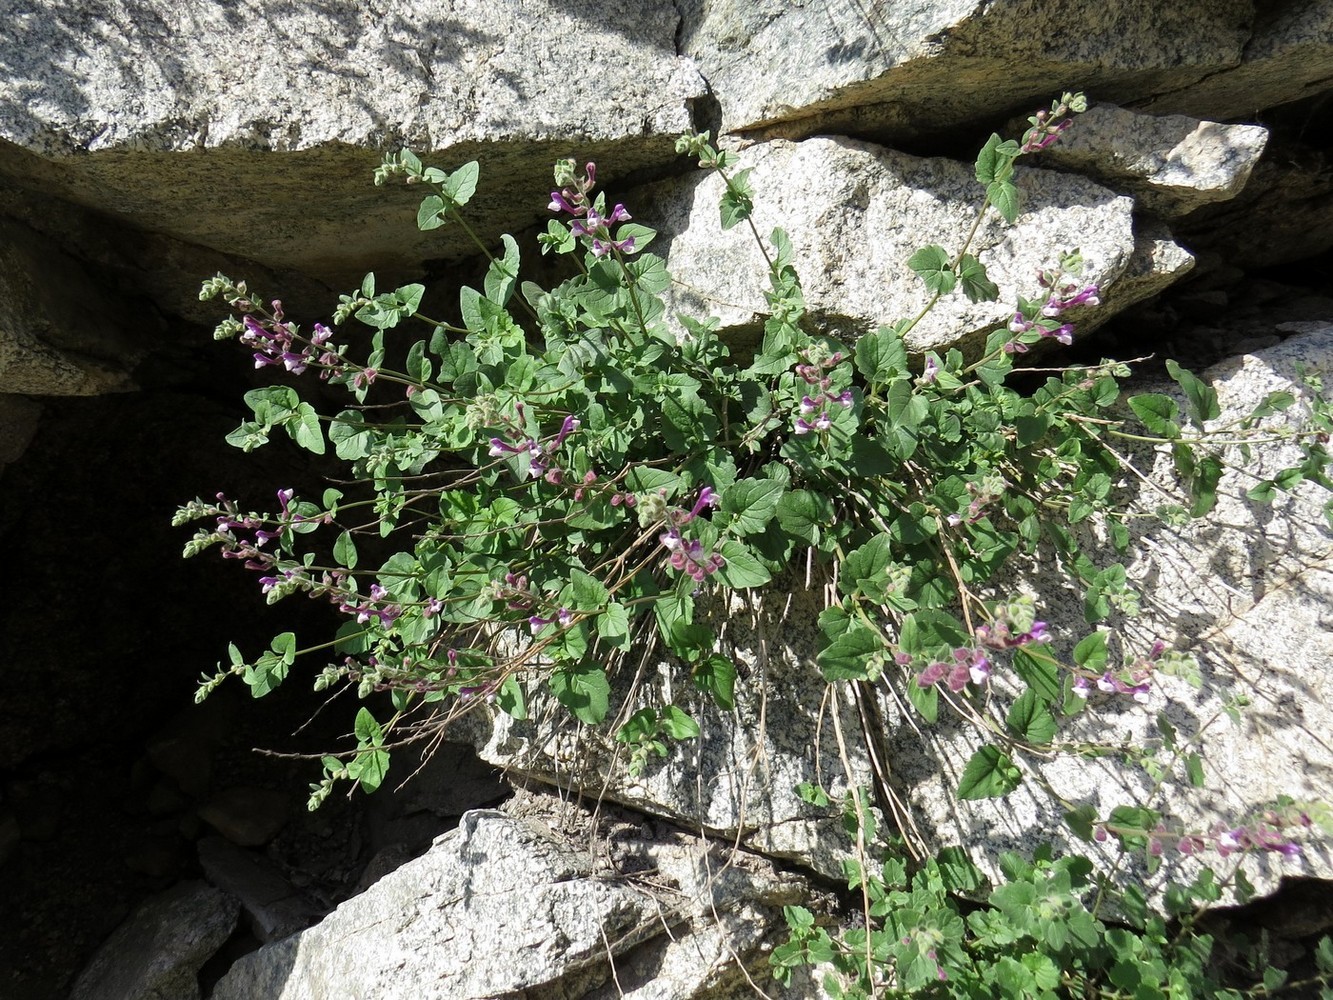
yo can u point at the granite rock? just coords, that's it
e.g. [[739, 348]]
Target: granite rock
[[254, 133], [1170, 164], [856, 212], [897, 70], [156, 954], [503, 906]]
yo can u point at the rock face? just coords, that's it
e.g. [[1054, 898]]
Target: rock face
[[504, 907], [855, 213], [146, 145], [256, 135], [903, 69], [156, 954]]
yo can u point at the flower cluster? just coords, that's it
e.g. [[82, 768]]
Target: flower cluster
[[1046, 126], [967, 664], [688, 555], [277, 343], [573, 199], [539, 452], [1042, 317], [1014, 625], [983, 492], [814, 410], [1271, 831], [1134, 679]]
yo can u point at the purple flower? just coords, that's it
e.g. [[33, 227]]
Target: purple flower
[[1087, 297], [931, 371], [980, 668], [959, 675], [1082, 687], [560, 204], [932, 675], [803, 426]]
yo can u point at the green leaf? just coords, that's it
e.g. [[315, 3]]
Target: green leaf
[[502, 274], [584, 690], [905, 407], [1090, 653], [1040, 671], [989, 774], [511, 699], [1031, 720], [1081, 821], [1158, 413], [847, 658], [642, 235], [587, 593], [344, 550], [368, 731], [882, 355], [368, 768], [976, 285], [1203, 488], [864, 569], [738, 200], [613, 626], [925, 700], [1004, 196], [462, 184], [677, 724], [741, 569], [933, 266], [803, 514], [995, 161], [429, 216], [1202, 398], [716, 675], [752, 503], [305, 430], [1194, 768]]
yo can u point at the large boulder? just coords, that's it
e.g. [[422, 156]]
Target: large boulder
[[899, 70], [1287, 56], [157, 953], [856, 212], [256, 135], [1170, 164], [504, 907]]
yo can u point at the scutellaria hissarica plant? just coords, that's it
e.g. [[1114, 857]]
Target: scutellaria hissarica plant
[[564, 479]]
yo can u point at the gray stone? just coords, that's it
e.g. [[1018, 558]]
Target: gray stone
[[895, 69], [58, 327], [1288, 56], [157, 953], [739, 779], [274, 906], [503, 907], [1157, 262], [246, 815], [256, 135], [1248, 590], [18, 425], [856, 212], [1170, 164]]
